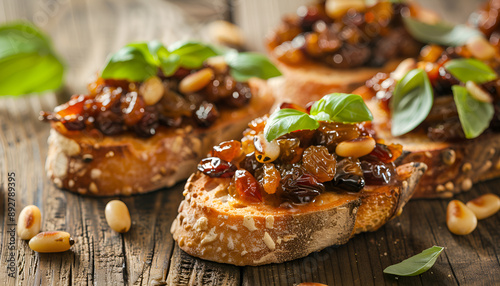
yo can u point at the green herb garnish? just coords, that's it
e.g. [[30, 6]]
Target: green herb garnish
[[416, 264], [191, 54], [411, 102], [136, 61], [339, 107], [440, 33], [470, 70], [28, 63], [129, 63], [475, 116], [246, 65]]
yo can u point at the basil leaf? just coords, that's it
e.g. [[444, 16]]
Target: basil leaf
[[170, 64], [470, 70], [439, 33], [475, 116], [192, 54], [416, 264], [347, 108], [411, 102], [288, 120], [247, 65], [129, 63], [28, 63]]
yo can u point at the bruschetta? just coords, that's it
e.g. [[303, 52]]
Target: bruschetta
[[444, 110], [336, 45], [298, 181], [151, 116]]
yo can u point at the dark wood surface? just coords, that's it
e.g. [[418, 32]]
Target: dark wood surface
[[84, 32]]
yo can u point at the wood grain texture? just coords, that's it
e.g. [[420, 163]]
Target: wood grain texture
[[84, 32]]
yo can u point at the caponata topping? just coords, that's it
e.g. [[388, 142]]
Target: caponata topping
[[301, 164], [188, 97], [345, 34]]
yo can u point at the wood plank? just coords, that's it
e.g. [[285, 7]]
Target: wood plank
[[188, 270]]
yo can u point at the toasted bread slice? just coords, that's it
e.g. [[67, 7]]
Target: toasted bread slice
[[126, 164], [214, 226], [453, 167]]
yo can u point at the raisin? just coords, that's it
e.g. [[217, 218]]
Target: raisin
[[206, 114], [107, 99], [132, 106], [329, 134], [109, 122], [270, 180], [148, 124], [320, 163], [227, 150], [290, 150], [300, 186], [308, 15], [239, 97], [216, 167], [72, 109], [386, 153], [250, 163], [377, 172], [247, 186], [349, 176]]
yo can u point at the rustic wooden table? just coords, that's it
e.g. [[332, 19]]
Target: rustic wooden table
[[84, 32]]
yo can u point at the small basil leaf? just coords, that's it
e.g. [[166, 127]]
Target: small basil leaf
[[439, 33], [170, 64], [470, 70], [247, 65], [475, 116], [416, 264], [288, 120], [347, 108], [411, 102], [192, 54], [144, 49], [129, 63], [28, 63]]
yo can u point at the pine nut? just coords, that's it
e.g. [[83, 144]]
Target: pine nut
[[477, 92], [484, 206], [29, 222], [403, 68], [51, 241], [337, 8], [117, 216], [480, 48], [356, 148], [265, 152], [196, 81], [152, 90], [226, 33], [218, 63], [459, 218]]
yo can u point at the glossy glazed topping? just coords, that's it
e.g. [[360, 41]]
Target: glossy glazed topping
[[297, 167], [443, 122], [344, 37], [188, 97]]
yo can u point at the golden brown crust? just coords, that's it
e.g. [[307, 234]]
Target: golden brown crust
[[125, 164], [453, 167], [214, 226]]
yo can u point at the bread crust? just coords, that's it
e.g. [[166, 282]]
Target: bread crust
[[98, 165], [453, 167], [214, 226]]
